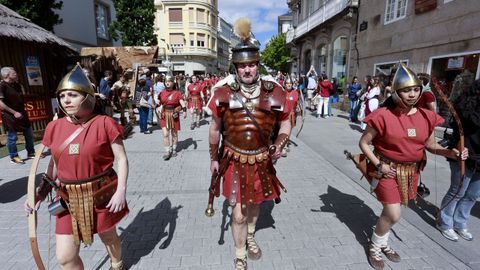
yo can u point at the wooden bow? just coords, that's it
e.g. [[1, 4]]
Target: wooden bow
[[32, 218], [461, 143]]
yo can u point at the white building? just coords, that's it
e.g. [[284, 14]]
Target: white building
[[85, 23]]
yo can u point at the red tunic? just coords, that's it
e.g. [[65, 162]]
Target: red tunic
[[291, 105], [427, 97], [170, 98], [95, 156], [194, 97], [402, 138], [228, 177]]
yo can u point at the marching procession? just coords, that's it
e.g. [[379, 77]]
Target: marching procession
[[125, 157]]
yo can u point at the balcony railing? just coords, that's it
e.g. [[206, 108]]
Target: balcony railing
[[193, 51], [324, 13]]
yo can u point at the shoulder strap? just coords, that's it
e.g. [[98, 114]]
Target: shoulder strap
[[72, 137]]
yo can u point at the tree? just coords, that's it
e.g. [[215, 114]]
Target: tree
[[40, 13], [134, 24], [275, 55]]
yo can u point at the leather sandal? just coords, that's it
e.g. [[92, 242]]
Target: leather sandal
[[253, 250], [240, 264], [391, 254], [375, 257]]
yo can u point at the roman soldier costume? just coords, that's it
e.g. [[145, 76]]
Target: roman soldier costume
[[292, 106], [195, 102], [249, 114], [400, 143], [84, 160], [171, 106]]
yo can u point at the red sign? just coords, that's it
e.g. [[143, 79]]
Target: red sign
[[36, 109], [422, 6]]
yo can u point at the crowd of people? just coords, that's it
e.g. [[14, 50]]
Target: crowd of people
[[252, 120]]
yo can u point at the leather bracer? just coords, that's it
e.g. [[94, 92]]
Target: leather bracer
[[281, 141], [45, 187], [213, 152]]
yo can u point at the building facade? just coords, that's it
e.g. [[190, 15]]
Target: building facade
[[285, 22], [187, 35], [438, 37], [322, 36], [226, 41], [95, 17]]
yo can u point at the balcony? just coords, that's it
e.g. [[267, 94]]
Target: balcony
[[324, 13], [199, 51]]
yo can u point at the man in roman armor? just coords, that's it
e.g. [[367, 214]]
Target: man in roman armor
[[195, 101], [171, 103], [245, 108]]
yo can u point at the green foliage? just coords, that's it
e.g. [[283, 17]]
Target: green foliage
[[135, 21], [40, 13], [276, 55]]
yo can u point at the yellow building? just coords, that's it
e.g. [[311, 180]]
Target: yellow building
[[187, 34]]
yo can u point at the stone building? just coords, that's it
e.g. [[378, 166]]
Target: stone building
[[187, 35], [322, 35], [438, 37]]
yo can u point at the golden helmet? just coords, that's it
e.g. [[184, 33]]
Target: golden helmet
[[404, 77], [76, 80]]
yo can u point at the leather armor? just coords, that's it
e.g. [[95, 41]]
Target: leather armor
[[239, 130]]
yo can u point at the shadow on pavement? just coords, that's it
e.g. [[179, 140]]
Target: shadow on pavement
[[265, 219], [185, 144], [14, 190], [344, 205], [224, 226], [146, 231], [425, 210], [356, 127]]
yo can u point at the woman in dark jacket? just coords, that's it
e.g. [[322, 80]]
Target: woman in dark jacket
[[353, 89], [460, 198]]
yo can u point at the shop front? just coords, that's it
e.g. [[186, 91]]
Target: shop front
[[455, 73]]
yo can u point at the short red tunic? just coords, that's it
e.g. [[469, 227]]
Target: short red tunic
[[291, 105], [228, 176], [194, 97], [170, 98], [400, 137], [95, 156]]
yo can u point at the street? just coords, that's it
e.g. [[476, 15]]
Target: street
[[323, 222]]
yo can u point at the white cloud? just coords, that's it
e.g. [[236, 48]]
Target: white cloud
[[263, 13]]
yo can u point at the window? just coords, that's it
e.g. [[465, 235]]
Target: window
[[201, 16], [175, 14], [192, 39], [102, 20], [395, 10], [191, 15], [176, 39], [201, 40], [214, 44]]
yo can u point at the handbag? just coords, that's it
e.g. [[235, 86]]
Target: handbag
[[144, 103], [361, 111]]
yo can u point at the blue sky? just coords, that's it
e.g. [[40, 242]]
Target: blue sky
[[263, 14]]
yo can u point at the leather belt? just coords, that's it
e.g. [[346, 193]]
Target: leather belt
[[245, 152]]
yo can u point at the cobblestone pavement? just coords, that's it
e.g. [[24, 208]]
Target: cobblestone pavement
[[323, 222]]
